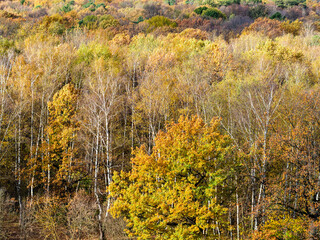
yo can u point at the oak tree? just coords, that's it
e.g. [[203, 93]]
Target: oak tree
[[180, 190]]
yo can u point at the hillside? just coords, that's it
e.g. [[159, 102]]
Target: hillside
[[159, 119]]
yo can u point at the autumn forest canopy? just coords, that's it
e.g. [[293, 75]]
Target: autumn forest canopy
[[163, 119]]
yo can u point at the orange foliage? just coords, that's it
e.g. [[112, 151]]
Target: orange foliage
[[270, 27]]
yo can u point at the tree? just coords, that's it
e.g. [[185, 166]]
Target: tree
[[160, 21], [60, 152], [269, 27], [295, 156], [101, 108], [200, 10], [181, 190], [214, 13], [171, 2]]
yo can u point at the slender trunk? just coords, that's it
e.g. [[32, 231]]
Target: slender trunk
[[132, 105], [48, 164], [71, 158], [132, 126], [264, 170], [35, 159], [18, 169], [230, 222], [31, 141], [286, 185], [149, 132], [19, 160], [253, 215], [124, 137], [109, 163], [238, 218], [254, 201], [96, 172]]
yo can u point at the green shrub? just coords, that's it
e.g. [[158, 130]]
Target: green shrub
[[106, 21], [199, 10], [87, 53], [5, 45], [160, 21], [54, 24], [251, 2], [277, 16], [171, 2], [280, 3], [214, 13], [212, 3], [90, 18], [227, 2], [56, 28], [88, 4], [290, 3], [315, 40], [101, 5], [258, 11], [66, 8], [140, 19], [89, 21]]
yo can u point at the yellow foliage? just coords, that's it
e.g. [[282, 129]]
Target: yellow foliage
[[282, 227], [172, 192], [292, 27]]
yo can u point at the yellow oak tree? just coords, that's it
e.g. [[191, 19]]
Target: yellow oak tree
[[181, 189], [60, 153]]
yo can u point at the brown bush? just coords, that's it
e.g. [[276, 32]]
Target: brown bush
[[295, 12], [270, 27], [38, 13], [114, 228], [81, 217], [196, 22], [237, 24], [45, 218], [7, 215], [194, 33], [152, 9], [236, 9]]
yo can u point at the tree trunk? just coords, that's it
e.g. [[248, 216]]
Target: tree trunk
[[96, 172]]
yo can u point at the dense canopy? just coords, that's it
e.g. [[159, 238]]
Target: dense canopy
[[106, 111]]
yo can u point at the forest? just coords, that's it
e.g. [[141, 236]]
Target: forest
[[162, 119]]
